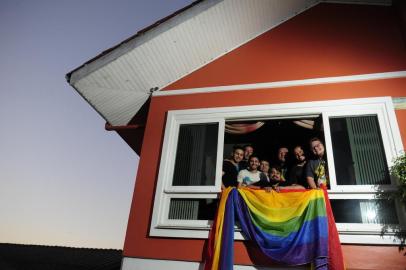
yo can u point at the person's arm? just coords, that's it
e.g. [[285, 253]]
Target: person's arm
[[223, 187], [279, 188], [239, 179], [254, 187], [222, 176], [310, 181], [293, 187], [310, 176]]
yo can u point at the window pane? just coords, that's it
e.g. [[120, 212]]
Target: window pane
[[364, 211], [192, 209], [359, 157], [196, 155]]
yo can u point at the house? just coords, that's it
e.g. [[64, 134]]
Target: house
[[297, 68]]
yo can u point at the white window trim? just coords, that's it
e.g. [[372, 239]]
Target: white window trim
[[170, 160], [280, 84], [379, 111], [380, 106]]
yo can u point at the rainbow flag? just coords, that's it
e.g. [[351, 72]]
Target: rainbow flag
[[292, 228]]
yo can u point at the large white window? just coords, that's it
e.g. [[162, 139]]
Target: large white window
[[361, 138]]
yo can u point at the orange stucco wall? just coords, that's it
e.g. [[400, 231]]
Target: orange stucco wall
[[138, 244], [326, 40]]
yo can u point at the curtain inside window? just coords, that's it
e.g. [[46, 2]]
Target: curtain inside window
[[358, 151], [195, 163]]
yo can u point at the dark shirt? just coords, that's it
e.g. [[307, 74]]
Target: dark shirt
[[297, 175], [263, 181], [229, 178], [283, 183], [284, 168], [243, 164]]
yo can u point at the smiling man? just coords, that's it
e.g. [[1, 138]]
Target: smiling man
[[251, 176], [316, 170]]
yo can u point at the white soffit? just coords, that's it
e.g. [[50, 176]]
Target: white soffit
[[118, 82]]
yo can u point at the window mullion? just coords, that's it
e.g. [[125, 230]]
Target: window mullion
[[388, 145], [329, 150], [220, 150], [172, 148]]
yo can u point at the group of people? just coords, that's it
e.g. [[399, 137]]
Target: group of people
[[245, 169]]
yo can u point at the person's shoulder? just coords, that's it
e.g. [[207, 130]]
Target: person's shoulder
[[227, 163], [312, 162], [309, 167], [263, 176], [243, 164]]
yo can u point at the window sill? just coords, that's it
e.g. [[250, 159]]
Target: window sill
[[346, 237]]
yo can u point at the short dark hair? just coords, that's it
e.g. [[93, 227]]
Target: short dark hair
[[301, 147], [247, 145], [236, 147], [315, 139], [253, 156], [276, 167]]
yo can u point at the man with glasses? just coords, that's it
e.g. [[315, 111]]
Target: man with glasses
[[316, 169]]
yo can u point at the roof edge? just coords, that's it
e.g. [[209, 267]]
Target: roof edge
[[140, 37]]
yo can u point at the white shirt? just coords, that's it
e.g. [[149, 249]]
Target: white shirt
[[247, 177]]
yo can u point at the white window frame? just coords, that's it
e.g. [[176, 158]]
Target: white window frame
[[176, 120], [382, 107]]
